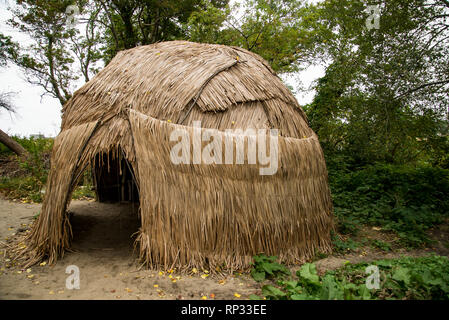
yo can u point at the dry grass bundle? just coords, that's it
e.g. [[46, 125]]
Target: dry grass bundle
[[221, 215], [193, 215]]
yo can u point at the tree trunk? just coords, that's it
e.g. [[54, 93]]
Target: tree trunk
[[11, 144]]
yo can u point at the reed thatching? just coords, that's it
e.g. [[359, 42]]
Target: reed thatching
[[193, 215]]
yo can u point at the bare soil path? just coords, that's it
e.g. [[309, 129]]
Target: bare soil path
[[103, 244]]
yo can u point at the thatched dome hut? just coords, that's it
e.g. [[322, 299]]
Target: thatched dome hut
[[191, 214]]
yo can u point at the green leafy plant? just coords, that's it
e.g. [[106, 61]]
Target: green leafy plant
[[381, 245], [404, 278], [30, 184], [344, 246], [405, 200], [267, 268]]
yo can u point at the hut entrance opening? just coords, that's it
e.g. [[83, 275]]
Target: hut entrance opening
[[113, 178]]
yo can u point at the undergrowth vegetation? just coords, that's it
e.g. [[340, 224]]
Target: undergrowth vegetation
[[405, 200], [421, 278], [29, 177], [29, 183]]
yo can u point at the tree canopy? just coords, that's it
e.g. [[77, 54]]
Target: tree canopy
[[384, 94]]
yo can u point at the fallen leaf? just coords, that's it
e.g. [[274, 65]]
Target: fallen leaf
[[61, 291], [156, 286], [212, 296], [237, 295], [204, 298], [204, 276], [43, 263], [28, 270], [51, 292], [194, 270], [222, 282]]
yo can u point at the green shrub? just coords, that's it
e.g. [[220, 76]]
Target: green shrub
[[406, 200], [267, 268], [36, 166]]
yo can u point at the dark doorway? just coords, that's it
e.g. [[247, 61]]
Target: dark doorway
[[114, 179]]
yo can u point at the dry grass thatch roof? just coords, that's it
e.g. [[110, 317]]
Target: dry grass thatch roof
[[193, 215]]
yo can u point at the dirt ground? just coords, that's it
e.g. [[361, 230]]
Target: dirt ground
[[103, 244], [103, 251]]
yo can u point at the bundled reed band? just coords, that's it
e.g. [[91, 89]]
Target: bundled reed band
[[192, 215]]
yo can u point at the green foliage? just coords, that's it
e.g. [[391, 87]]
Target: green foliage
[[404, 278], [383, 97], [310, 286], [84, 189], [29, 185], [381, 245], [405, 200], [8, 49], [267, 268], [344, 246], [273, 29]]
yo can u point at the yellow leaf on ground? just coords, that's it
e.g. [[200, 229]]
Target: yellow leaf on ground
[[237, 295], [204, 298]]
